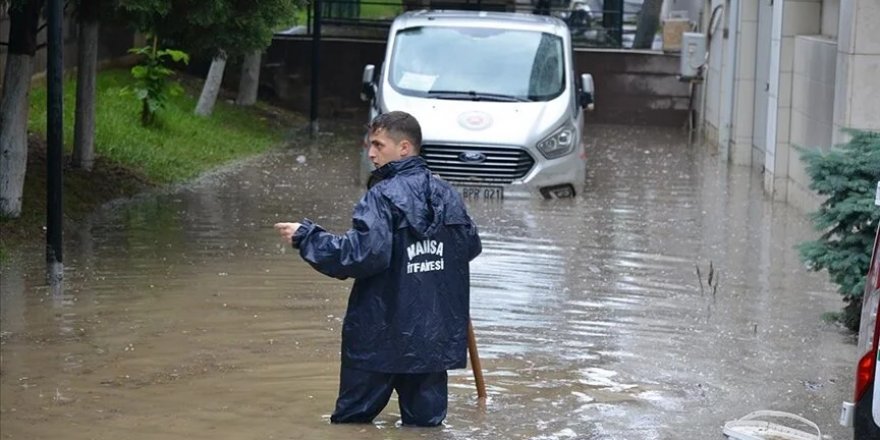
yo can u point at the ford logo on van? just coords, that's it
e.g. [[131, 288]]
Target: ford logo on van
[[472, 157]]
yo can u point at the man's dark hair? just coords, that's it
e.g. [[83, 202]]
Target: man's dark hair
[[399, 126]]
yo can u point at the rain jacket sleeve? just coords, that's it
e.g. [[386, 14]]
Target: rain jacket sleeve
[[363, 251], [475, 246]]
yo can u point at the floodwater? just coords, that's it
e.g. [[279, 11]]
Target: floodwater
[[183, 316]]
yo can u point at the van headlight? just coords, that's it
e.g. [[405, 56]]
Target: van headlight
[[558, 144]]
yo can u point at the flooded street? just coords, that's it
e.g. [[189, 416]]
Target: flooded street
[[663, 302]]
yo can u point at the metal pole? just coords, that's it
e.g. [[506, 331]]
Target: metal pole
[[55, 140], [316, 68], [618, 26], [309, 20]]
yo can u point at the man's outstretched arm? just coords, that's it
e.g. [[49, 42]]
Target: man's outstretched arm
[[363, 251]]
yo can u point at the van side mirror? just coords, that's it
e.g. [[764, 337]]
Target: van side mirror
[[586, 98], [368, 89]]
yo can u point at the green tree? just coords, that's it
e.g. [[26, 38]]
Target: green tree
[[211, 28], [222, 29], [847, 220], [145, 16]]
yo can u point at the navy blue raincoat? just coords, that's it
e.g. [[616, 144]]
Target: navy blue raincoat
[[409, 252]]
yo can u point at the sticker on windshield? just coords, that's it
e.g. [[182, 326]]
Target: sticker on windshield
[[417, 81]]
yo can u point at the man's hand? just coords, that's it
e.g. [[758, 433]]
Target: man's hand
[[286, 230]]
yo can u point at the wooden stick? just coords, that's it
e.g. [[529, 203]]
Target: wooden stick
[[475, 362]]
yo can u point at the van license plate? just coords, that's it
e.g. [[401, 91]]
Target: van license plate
[[482, 192]]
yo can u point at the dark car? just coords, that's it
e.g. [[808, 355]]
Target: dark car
[[863, 415]]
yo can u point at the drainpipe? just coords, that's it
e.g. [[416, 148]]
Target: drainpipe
[[728, 79]]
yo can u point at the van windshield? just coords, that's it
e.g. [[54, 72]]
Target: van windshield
[[477, 64]]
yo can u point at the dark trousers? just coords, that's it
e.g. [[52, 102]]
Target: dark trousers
[[363, 395]]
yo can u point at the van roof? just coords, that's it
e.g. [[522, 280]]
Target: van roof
[[504, 20]]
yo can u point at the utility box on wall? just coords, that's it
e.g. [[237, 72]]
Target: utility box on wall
[[693, 54]]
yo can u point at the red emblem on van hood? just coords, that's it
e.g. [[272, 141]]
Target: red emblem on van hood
[[475, 120]]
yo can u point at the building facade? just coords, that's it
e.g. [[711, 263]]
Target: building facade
[[786, 73]]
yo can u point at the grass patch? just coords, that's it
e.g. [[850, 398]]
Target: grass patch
[[369, 9], [381, 9], [179, 147], [131, 158]]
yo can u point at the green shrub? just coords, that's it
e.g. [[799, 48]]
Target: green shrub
[[152, 83], [847, 220]]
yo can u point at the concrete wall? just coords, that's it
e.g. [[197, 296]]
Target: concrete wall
[[711, 114], [799, 17], [830, 18], [692, 7], [744, 84], [635, 87], [812, 112], [856, 103], [286, 74], [632, 87], [815, 74], [762, 87]]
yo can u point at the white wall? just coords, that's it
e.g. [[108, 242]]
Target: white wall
[[712, 87], [816, 73], [799, 17], [812, 110], [762, 84], [691, 6], [856, 103], [744, 84], [830, 17]]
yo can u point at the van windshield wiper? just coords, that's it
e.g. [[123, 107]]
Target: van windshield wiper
[[475, 96]]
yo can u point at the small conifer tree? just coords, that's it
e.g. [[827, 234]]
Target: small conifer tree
[[847, 220]]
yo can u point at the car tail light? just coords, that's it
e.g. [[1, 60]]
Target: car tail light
[[869, 331]]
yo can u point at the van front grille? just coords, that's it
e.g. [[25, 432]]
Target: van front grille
[[498, 165]]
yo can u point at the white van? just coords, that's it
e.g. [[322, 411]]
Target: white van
[[496, 96]]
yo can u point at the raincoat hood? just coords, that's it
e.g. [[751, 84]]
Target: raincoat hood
[[417, 197]]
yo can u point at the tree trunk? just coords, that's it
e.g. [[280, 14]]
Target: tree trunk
[[250, 79], [212, 85], [86, 75], [13, 132], [649, 19], [14, 104]]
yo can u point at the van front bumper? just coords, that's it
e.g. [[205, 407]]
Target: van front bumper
[[557, 178]]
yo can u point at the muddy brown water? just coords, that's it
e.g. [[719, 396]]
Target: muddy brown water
[[182, 315]]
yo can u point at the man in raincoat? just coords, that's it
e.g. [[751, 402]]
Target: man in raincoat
[[409, 252]]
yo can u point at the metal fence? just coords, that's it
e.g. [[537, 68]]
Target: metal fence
[[593, 23]]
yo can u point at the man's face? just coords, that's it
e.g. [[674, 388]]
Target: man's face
[[384, 149]]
